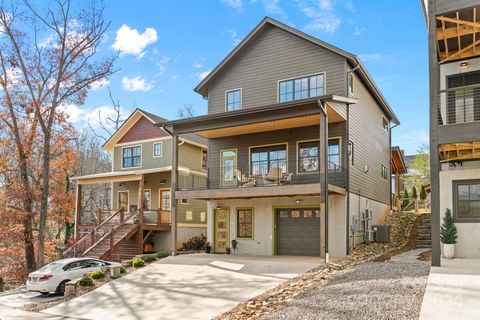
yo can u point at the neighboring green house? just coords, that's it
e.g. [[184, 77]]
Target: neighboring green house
[[142, 160]]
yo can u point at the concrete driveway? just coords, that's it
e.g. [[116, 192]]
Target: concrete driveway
[[195, 286]]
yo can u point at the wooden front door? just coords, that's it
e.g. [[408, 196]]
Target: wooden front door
[[221, 220]]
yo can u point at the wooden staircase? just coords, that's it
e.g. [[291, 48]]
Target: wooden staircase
[[117, 238], [424, 232], [116, 245]]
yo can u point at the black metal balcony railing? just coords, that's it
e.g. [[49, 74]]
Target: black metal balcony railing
[[459, 105], [256, 175]]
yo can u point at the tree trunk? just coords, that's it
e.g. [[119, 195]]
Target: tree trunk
[[42, 224], [27, 219]]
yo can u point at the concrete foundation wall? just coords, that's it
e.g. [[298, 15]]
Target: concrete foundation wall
[[163, 239], [468, 241]]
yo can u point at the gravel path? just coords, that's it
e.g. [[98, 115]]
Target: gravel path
[[373, 290]]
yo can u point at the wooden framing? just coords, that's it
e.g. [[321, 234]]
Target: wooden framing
[[459, 151], [457, 35]]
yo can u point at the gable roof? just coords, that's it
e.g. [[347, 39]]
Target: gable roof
[[354, 60], [136, 115]]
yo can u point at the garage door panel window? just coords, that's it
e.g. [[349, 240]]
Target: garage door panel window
[[466, 200], [245, 223]]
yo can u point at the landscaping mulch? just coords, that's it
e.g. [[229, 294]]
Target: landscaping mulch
[[426, 256]]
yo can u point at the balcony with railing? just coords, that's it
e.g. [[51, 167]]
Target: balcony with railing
[[459, 105], [263, 179]]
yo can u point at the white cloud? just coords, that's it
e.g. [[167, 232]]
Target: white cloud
[[393, 58], [412, 140], [174, 76], [235, 4], [324, 15], [97, 85], [136, 84], [162, 65], [75, 114], [233, 35], [130, 41], [358, 31], [203, 75], [197, 65], [102, 113]]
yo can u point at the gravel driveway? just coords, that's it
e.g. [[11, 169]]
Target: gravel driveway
[[373, 290]]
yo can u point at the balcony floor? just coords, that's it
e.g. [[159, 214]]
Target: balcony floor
[[258, 192]]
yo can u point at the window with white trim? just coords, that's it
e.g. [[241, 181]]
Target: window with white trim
[[184, 201], [131, 157], [157, 149], [234, 100]]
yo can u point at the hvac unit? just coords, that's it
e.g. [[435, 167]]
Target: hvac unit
[[367, 215]]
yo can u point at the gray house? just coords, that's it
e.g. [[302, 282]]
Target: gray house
[[454, 55], [299, 140]]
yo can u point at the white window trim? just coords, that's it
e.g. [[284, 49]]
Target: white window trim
[[226, 100], [303, 76], [191, 215], [388, 124], [201, 159], [185, 203], [160, 197], [141, 156], [161, 149]]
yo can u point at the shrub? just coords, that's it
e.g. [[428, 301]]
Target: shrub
[[162, 254], [138, 263], [2, 283], [405, 198], [423, 193], [149, 258], [86, 281], [97, 274], [195, 243], [448, 233], [414, 193], [122, 269]]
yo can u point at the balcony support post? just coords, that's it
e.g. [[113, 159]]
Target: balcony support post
[[174, 186], [323, 146], [141, 196], [78, 207]]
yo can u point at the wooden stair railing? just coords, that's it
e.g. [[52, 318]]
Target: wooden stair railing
[[88, 240], [111, 236]]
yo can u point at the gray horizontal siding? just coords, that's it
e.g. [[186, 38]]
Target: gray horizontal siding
[[372, 147], [274, 55]]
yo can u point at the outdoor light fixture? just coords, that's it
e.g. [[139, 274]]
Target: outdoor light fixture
[[464, 65], [163, 181], [299, 201], [219, 206], [121, 184], [366, 168]]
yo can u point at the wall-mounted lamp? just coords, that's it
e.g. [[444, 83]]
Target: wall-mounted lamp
[[464, 65], [299, 201], [121, 184], [163, 181], [366, 168], [219, 206]]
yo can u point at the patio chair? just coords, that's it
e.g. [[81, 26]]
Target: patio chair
[[243, 179], [274, 175]]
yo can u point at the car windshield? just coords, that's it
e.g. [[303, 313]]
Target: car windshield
[[50, 267]]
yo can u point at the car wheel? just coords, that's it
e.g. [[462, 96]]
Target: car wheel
[[61, 288], [44, 293]]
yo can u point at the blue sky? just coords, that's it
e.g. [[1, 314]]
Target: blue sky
[[166, 48]]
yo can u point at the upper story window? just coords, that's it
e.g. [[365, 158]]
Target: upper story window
[[385, 124], [204, 159], [234, 100], [131, 157], [333, 153], [384, 172], [350, 83], [264, 159], [301, 88], [157, 149], [351, 152], [308, 156]]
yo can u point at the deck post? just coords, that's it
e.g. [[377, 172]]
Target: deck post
[[323, 159], [173, 201], [78, 207], [141, 185]]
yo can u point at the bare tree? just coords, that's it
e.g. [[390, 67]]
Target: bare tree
[[55, 74], [110, 124], [187, 111]]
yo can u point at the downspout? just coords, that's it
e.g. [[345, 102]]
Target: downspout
[[324, 132], [390, 155], [347, 171]]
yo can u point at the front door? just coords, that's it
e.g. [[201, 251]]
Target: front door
[[221, 230], [228, 168], [123, 200]]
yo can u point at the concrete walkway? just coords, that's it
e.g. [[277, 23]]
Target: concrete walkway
[[196, 286], [453, 291]]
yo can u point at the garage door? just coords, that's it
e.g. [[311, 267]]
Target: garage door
[[297, 232]]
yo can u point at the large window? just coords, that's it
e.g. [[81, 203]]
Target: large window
[[165, 199], [131, 157], [123, 200], [204, 159], [466, 199], [234, 100], [263, 159], [245, 223], [334, 153], [308, 157], [301, 88]]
